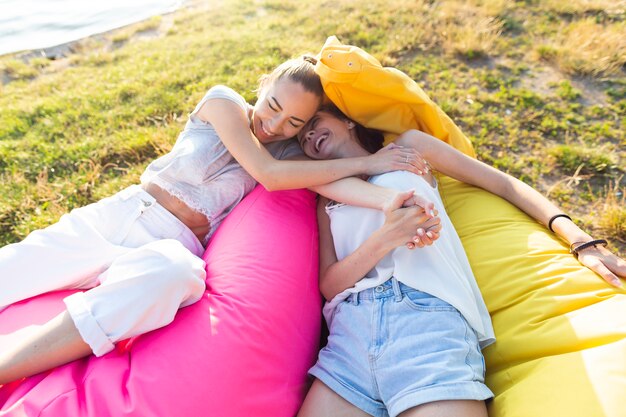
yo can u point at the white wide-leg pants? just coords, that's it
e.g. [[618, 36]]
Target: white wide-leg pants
[[138, 263]]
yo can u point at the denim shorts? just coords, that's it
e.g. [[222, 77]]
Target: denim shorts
[[392, 348]]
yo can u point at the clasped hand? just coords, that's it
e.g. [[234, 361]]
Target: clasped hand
[[411, 220]]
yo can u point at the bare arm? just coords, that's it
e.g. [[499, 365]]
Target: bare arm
[[399, 226], [358, 192], [455, 164], [232, 126]]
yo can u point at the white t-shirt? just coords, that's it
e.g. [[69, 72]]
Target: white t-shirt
[[441, 270]]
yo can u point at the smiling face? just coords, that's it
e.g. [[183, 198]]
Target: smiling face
[[282, 110], [329, 137]]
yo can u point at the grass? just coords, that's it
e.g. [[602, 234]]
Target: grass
[[581, 7], [612, 220], [578, 158], [17, 69], [590, 48], [538, 86]]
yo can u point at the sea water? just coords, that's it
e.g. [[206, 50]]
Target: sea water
[[37, 24]]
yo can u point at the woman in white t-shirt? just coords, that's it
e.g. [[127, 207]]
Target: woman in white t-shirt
[[137, 253], [406, 327]]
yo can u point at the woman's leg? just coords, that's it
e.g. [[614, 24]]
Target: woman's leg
[[321, 401], [36, 349], [140, 292], [115, 242], [66, 255], [457, 408], [69, 254]]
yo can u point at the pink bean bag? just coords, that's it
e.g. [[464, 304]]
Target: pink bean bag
[[242, 350]]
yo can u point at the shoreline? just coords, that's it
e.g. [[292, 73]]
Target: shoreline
[[58, 54], [103, 40], [106, 22], [60, 50]]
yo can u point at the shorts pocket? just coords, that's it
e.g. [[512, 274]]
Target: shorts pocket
[[336, 310], [422, 301]]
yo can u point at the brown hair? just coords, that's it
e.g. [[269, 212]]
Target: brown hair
[[300, 70], [370, 139]]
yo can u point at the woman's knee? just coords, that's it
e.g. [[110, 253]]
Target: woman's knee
[[173, 269]]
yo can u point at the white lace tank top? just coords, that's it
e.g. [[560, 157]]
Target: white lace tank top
[[201, 172]]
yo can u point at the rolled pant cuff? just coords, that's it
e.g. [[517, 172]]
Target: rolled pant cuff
[[87, 325]]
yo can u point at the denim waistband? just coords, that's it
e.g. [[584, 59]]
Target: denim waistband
[[390, 288]]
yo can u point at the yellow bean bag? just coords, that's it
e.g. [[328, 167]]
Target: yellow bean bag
[[560, 330]]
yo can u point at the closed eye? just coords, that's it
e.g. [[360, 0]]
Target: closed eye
[[311, 124]]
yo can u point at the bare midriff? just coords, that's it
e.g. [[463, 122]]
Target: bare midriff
[[194, 220]]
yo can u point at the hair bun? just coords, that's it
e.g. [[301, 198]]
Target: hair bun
[[310, 59]]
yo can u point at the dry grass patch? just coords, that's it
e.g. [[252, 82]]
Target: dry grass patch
[[610, 211], [17, 69], [587, 48], [585, 6], [491, 8], [150, 24], [468, 30], [123, 35]]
